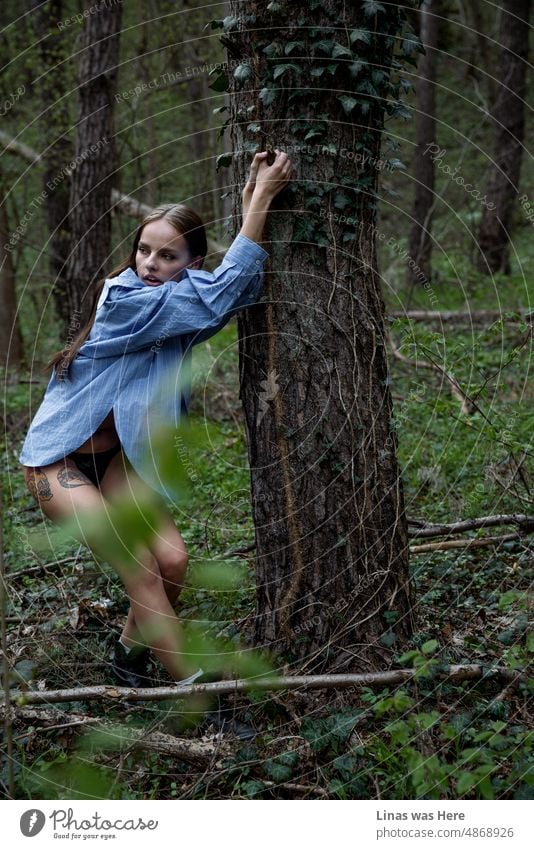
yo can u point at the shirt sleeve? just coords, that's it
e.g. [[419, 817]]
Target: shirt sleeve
[[132, 319]]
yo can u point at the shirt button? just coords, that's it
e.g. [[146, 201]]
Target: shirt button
[[257, 262]]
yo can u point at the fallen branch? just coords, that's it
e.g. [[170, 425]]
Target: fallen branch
[[466, 404], [192, 751], [106, 693], [427, 529], [476, 542], [32, 570], [128, 205], [474, 317]]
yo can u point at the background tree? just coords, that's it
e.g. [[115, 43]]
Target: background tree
[[95, 160], [420, 240], [508, 115], [331, 543], [56, 81], [10, 336]]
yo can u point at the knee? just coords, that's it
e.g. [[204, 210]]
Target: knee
[[173, 565]]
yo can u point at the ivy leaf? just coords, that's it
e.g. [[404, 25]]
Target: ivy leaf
[[272, 49], [412, 44], [311, 134], [223, 161], [356, 67], [291, 45], [325, 46], [399, 110], [220, 80], [340, 50], [281, 69], [243, 72], [360, 35], [267, 96], [348, 103], [371, 7], [317, 72], [254, 128], [396, 164], [230, 22], [304, 230]]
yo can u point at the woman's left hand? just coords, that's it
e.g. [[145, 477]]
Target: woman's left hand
[[250, 185]]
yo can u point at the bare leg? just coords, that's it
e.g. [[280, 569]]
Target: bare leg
[[63, 491], [168, 548]]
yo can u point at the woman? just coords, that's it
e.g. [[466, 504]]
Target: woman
[[88, 438]]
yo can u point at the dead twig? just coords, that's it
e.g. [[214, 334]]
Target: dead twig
[[427, 529], [476, 542], [190, 750], [106, 693]]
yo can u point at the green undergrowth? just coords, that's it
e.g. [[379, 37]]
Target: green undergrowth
[[427, 739]]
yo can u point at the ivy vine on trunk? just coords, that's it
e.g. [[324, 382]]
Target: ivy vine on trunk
[[317, 80]]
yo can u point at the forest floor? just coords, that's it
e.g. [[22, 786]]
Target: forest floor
[[427, 738]]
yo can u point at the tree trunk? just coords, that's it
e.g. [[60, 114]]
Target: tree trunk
[[331, 537], [425, 134], [92, 177], [54, 84], [10, 337], [509, 117]]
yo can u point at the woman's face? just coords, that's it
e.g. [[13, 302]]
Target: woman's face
[[162, 254]]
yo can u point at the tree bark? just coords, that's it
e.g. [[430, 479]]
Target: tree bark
[[332, 558], [10, 336], [95, 160], [54, 84], [425, 135], [509, 118]]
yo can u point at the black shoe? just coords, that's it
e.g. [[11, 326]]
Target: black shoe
[[222, 719], [132, 669]]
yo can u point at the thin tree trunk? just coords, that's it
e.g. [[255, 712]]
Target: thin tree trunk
[[54, 84], [509, 118], [92, 178], [10, 336], [332, 556], [425, 134]]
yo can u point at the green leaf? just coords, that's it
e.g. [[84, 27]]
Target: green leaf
[[429, 647], [292, 45], [340, 50], [412, 43], [348, 103], [360, 35], [324, 45], [243, 72], [371, 7], [224, 160], [278, 772], [220, 80], [268, 96], [230, 22], [282, 69], [465, 782]]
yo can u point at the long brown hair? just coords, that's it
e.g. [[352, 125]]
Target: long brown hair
[[185, 221]]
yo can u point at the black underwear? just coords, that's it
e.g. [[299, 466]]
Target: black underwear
[[94, 465]]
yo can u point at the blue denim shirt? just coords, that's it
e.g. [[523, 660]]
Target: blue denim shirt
[[137, 358]]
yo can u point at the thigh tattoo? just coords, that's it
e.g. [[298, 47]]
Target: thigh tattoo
[[69, 478], [39, 485]]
